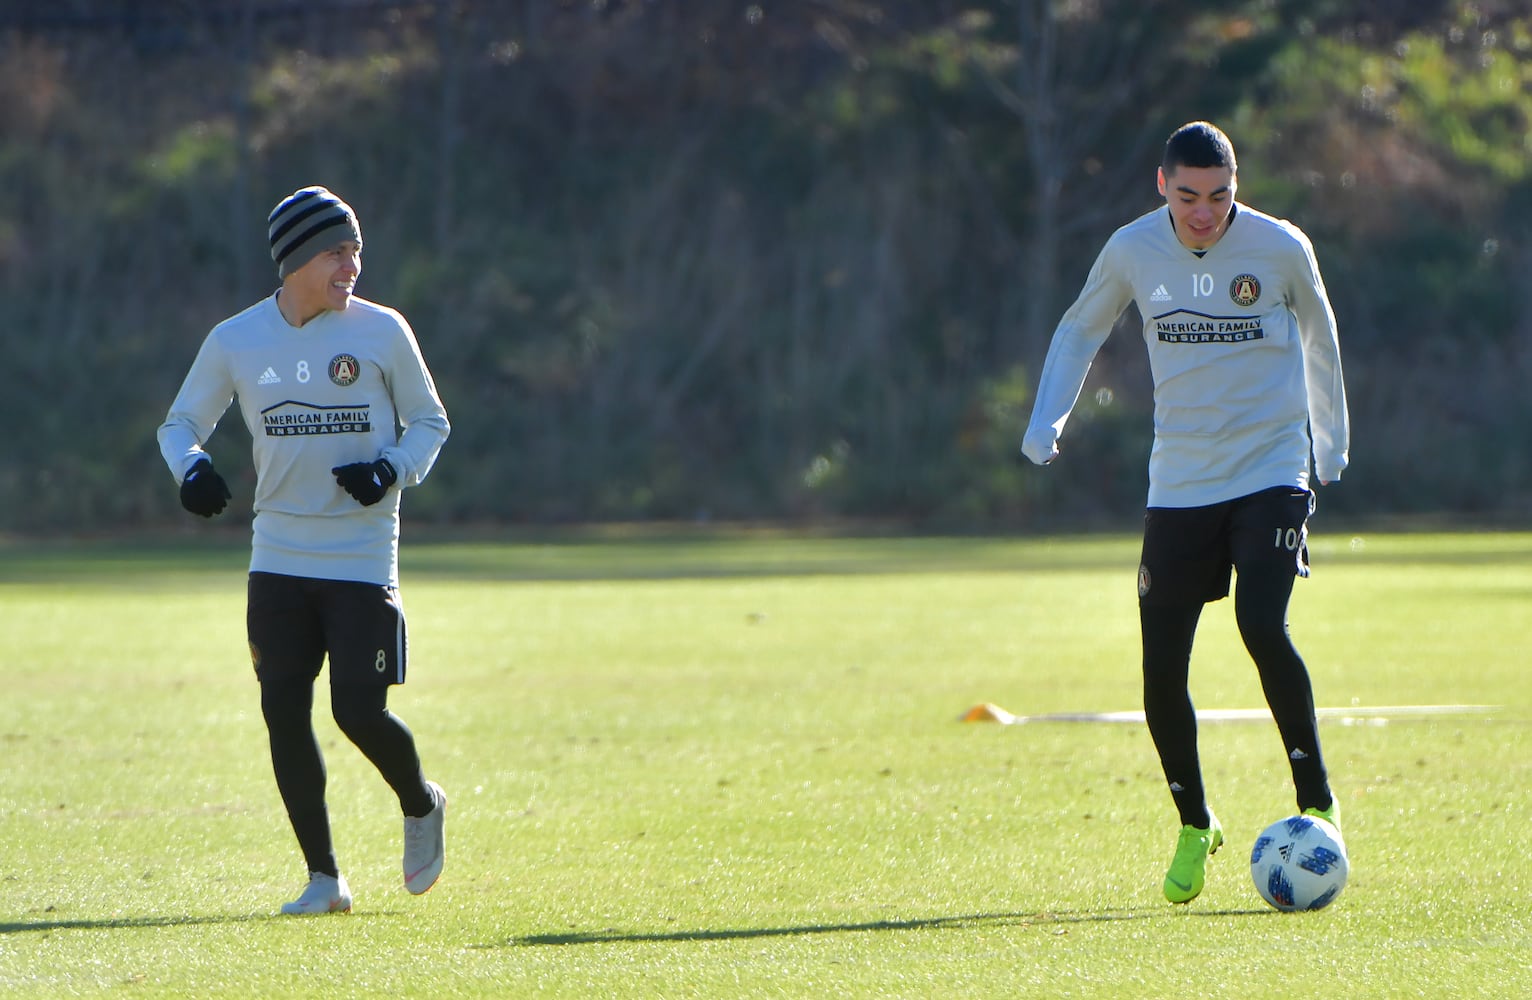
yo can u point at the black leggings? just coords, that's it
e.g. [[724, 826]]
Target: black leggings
[[1260, 609], [362, 714]]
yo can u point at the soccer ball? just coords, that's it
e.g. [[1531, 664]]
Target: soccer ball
[[1299, 863]]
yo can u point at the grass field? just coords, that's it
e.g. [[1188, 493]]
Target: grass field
[[733, 767]]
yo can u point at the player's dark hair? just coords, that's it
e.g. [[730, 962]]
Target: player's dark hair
[[1198, 144]]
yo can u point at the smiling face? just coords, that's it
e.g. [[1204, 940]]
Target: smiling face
[[1200, 200], [326, 282]]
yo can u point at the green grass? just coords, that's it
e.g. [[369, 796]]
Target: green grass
[[720, 767]]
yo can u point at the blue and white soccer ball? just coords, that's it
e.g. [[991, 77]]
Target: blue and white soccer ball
[[1299, 863]]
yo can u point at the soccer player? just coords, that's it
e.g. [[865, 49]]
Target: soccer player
[[1247, 389], [325, 383]]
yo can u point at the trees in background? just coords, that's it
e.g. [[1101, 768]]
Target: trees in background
[[681, 260]]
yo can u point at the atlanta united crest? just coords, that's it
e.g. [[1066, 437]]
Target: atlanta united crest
[[344, 369], [1244, 290]]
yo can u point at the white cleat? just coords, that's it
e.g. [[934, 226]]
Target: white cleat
[[323, 894], [425, 844]]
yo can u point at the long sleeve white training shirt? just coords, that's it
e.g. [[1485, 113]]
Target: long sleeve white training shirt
[[1243, 352], [335, 391]]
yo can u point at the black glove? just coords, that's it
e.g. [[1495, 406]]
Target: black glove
[[203, 491], [366, 481]]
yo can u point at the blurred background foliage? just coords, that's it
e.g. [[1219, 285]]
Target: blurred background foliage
[[713, 260]]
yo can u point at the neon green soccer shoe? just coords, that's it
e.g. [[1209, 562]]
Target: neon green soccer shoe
[[1188, 871], [1330, 815]]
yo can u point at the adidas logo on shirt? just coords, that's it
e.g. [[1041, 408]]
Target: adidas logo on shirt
[[268, 377], [1160, 295]]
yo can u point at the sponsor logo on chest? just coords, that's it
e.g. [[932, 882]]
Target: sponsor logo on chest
[[1186, 327], [300, 418], [1207, 325], [292, 418]]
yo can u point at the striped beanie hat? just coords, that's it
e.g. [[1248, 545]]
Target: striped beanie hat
[[307, 221]]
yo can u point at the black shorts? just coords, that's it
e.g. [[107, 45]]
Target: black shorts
[[293, 622], [1189, 551]]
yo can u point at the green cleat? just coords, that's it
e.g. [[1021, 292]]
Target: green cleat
[[1330, 815], [1188, 872]]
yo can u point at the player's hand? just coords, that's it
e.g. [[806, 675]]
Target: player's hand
[[203, 491], [1040, 450], [367, 482]]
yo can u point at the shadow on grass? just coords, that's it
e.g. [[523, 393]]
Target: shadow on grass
[[123, 923], [134, 923], [963, 922]]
